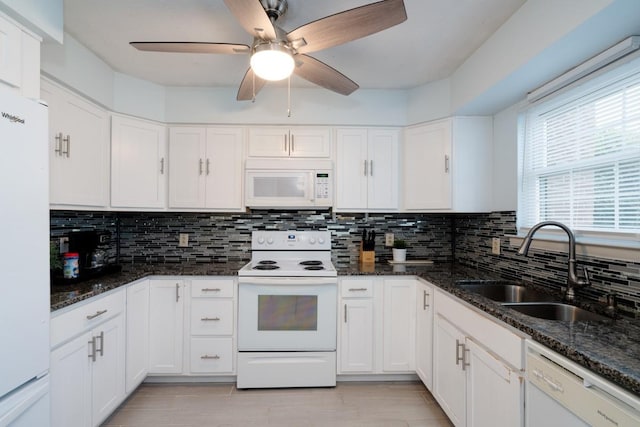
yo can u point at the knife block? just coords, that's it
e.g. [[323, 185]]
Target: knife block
[[367, 257]]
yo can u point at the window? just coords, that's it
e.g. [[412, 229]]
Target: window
[[579, 157]]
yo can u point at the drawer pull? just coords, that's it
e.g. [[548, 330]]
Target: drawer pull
[[214, 357], [211, 289], [98, 313], [206, 319], [357, 289]]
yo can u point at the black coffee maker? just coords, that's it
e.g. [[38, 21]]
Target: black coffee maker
[[91, 246]]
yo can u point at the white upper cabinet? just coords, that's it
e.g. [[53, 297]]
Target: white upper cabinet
[[19, 59], [78, 149], [205, 167], [138, 163], [279, 141], [367, 169], [447, 165]]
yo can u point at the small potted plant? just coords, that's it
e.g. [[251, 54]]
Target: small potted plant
[[399, 250]]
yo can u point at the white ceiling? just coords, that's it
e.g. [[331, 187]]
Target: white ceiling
[[436, 38]]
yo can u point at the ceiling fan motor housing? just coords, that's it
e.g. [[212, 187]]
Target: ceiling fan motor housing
[[274, 8]]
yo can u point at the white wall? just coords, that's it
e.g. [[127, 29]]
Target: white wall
[[139, 98], [43, 17], [429, 102], [505, 159]]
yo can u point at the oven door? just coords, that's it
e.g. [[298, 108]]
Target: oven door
[[287, 314]]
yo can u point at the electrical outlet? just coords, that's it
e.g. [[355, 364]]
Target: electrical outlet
[[388, 239], [63, 245], [183, 240], [495, 246]]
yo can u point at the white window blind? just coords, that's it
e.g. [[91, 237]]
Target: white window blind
[[580, 158]]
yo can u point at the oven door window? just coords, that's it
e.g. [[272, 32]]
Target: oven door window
[[287, 312]]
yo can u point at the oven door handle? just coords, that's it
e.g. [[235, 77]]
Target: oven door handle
[[288, 281]]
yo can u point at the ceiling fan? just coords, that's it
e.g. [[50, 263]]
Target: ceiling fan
[[275, 54]]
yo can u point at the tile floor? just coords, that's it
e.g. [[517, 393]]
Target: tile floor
[[349, 404]]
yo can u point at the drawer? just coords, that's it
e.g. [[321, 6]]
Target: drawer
[[212, 288], [211, 355], [86, 316], [356, 288], [211, 317]]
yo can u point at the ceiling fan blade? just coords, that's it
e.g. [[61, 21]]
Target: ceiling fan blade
[[346, 26], [253, 18], [323, 75], [247, 90], [191, 47]]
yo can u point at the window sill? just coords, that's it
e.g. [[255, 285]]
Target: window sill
[[619, 250]]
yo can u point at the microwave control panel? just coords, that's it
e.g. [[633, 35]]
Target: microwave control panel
[[323, 185]]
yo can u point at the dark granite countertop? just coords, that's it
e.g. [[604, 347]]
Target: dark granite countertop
[[610, 349]]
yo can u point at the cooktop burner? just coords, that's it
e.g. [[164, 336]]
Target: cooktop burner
[[311, 262], [266, 262], [266, 267], [314, 267]]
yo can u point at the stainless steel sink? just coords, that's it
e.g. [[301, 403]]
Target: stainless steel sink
[[504, 291], [555, 311]]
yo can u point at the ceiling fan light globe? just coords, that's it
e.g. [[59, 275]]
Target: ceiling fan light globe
[[272, 62]]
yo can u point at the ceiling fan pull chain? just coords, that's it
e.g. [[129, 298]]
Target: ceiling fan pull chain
[[289, 96]]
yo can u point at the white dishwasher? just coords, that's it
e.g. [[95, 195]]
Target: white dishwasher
[[560, 392]]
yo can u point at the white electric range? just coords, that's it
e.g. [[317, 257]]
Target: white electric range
[[287, 305]]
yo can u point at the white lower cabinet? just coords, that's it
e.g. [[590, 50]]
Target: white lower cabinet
[[88, 362], [476, 386], [376, 325], [137, 365], [424, 333], [166, 325]]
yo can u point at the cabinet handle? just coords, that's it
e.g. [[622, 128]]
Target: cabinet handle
[[465, 360], [293, 146], [208, 166], [101, 348], [345, 313], [446, 163], [177, 292], [286, 150], [98, 313], [357, 289], [424, 300], [365, 168], [206, 356], [162, 166], [67, 140], [371, 167], [211, 289], [458, 347], [92, 354], [208, 319], [58, 139], [200, 166]]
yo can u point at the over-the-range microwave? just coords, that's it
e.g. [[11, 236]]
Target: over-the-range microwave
[[288, 183]]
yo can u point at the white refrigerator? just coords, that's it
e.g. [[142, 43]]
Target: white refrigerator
[[24, 262]]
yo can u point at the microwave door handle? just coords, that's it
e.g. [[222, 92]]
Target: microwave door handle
[[312, 190]]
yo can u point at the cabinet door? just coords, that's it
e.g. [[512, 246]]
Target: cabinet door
[[490, 380], [269, 142], [70, 376], [310, 142], [108, 370], [187, 156], [138, 163], [449, 382], [382, 190], [10, 53], [137, 364], [223, 168], [356, 335], [399, 325], [79, 157], [426, 178], [166, 320], [424, 334], [352, 169]]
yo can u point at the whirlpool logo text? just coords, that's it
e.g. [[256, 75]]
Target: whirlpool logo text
[[12, 118]]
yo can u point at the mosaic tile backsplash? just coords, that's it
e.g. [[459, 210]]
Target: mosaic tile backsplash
[[153, 238]]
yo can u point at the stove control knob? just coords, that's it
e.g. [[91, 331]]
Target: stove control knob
[[312, 241], [321, 240], [270, 241], [261, 240]]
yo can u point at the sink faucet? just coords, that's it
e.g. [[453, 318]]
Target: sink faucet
[[573, 282]]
